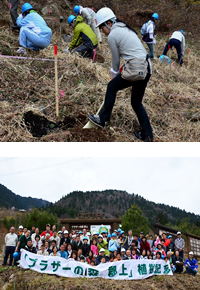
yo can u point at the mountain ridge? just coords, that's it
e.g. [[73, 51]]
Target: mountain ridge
[[10, 199], [113, 203]]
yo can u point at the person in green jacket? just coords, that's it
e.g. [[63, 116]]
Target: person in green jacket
[[102, 244], [23, 241], [84, 40]]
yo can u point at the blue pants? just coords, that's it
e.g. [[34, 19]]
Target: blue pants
[[28, 38], [192, 271], [9, 251], [151, 50], [177, 44]]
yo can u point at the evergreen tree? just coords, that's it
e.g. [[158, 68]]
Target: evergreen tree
[[135, 221]]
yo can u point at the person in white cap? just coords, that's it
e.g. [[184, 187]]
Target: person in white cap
[[102, 244], [179, 245], [123, 253], [191, 264], [20, 231], [89, 238], [100, 256], [65, 238]]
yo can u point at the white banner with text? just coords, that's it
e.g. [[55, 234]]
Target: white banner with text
[[127, 269]]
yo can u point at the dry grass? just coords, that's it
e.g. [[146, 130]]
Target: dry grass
[[172, 98], [27, 279]]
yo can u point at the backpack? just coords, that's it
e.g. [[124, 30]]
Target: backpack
[[144, 28]]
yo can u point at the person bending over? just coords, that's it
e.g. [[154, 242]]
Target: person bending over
[[34, 32], [84, 40]]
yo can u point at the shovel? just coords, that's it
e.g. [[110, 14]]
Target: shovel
[[89, 123]]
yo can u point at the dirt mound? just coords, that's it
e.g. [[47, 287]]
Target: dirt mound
[[67, 130]]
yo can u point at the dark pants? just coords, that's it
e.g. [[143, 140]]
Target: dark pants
[[84, 50], [9, 251], [13, 11], [191, 271], [177, 44], [138, 89], [181, 254]]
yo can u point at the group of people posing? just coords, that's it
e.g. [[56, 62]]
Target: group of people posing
[[123, 42], [98, 248]]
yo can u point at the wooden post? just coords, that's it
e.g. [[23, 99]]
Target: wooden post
[[188, 55], [56, 80], [98, 37]]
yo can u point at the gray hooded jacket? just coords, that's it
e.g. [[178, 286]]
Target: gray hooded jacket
[[124, 43]]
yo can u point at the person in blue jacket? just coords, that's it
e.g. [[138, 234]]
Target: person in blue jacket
[[191, 264], [113, 243], [34, 32]]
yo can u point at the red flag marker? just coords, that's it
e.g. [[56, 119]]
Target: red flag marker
[[55, 49], [188, 50]]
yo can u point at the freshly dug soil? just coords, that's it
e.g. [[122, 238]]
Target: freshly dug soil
[[70, 129]]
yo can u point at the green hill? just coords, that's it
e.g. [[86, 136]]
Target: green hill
[[9, 199], [114, 203]]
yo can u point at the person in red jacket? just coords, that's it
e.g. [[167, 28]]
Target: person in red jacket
[[47, 231], [167, 241], [144, 245]]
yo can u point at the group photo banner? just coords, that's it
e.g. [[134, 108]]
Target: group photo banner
[[128, 269]]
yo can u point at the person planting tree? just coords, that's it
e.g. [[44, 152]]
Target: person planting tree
[[34, 32], [124, 42], [84, 40]]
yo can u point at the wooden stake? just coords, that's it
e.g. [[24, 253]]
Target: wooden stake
[[98, 37], [56, 80], [188, 55]]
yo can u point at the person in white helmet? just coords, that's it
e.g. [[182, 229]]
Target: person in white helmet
[[89, 17], [124, 42]]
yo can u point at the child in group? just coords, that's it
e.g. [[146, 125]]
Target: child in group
[[144, 255], [92, 263], [94, 247], [133, 254], [103, 260]]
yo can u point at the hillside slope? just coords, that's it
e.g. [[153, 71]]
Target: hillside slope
[[10, 199], [112, 202], [172, 98], [26, 279]]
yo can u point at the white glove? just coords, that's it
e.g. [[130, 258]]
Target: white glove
[[21, 16], [113, 73], [66, 50]]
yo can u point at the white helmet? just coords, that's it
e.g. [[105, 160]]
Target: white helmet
[[103, 15]]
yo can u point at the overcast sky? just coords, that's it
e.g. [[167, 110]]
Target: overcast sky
[[172, 181]]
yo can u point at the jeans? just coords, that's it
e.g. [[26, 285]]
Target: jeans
[[151, 50], [181, 254], [13, 11], [192, 271], [138, 89], [28, 37], [177, 44], [9, 251]]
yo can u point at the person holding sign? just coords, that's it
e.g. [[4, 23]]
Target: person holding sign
[[124, 42], [34, 32]]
